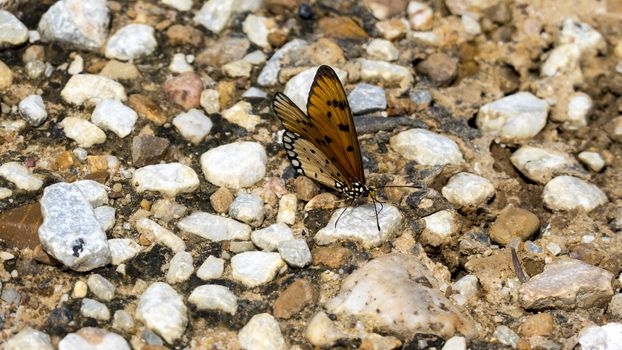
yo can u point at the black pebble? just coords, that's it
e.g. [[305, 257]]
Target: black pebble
[[305, 11]]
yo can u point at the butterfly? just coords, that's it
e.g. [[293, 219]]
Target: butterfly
[[322, 144]]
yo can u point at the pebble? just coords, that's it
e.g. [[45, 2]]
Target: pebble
[[366, 98], [32, 109], [359, 224], [468, 190], [467, 286], [123, 250], [455, 343], [306, 188], [567, 283], [420, 16], [20, 176], [184, 90], [214, 297], [578, 108], [539, 324], [169, 179], [76, 66], [235, 165], [268, 238], [123, 71], [80, 289], [179, 64], [181, 5], [607, 337], [94, 192], [241, 114], [224, 50], [12, 31], [568, 193], [269, 75], [238, 69], [113, 115], [180, 268], [582, 35], [70, 231], [295, 252], [163, 311], [506, 336], [212, 268], [562, 59], [101, 287], [300, 294], [323, 332], [91, 89], [90, 338], [80, 24], [94, 309], [382, 49], [297, 88], [254, 93], [331, 257], [262, 332], [513, 222], [160, 235], [215, 14], [287, 209], [147, 149], [471, 25], [441, 68], [255, 58], [85, 133], [210, 101], [132, 41], [440, 228], [391, 75], [6, 76], [257, 29], [214, 227], [542, 164], [474, 7], [427, 147], [193, 125], [11, 296], [593, 160], [395, 292], [29, 338], [122, 320], [255, 268], [166, 209], [392, 29], [5, 193], [221, 200], [520, 116], [341, 28]]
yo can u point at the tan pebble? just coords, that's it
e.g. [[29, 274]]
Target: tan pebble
[[306, 189], [513, 222], [147, 108], [226, 89], [221, 200], [326, 51], [145, 204], [97, 163], [6, 76], [294, 299], [34, 53], [79, 290], [277, 38], [64, 161], [322, 201], [183, 34], [331, 257], [123, 71], [538, 324], [392, 29], [341, 27]]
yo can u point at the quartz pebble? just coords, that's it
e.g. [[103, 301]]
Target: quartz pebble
[[262, 332], [366, 98], [542, 164], [20, 176], [180, 268], [297, 88], [606, 337], [82, 24], [582, 35], [179, 64], [254, 93], [169, 179], [257, 29], [255, 268], [193, 125], [131, 42], [85, 133], [163, 311], [563, 59], [295, 252], [593, 160], [237, 69], [465, 189], [32, 109], [94, 192], [123, 250], [93, 338], [440, 228], [287, 209], [322, 331], [213, 227], [91, 89], [106, 216], [270, 72], [382, 49], [101, 287], [269, 238], [515, 117], [122, 320], [12, 31], [426, 147], [506, 336], [160, 235], [359, 224], [29, 338], [70, 231], [235, 165], [210, 101], [76, 66], [214, 297], [80, 290], [94, 309], [241, 114], [113, 115], [568, 192], [212, 268], [391, 75], [214, 14], [420, 16]]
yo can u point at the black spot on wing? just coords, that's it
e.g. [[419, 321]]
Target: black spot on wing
[[344, 127], [350, 149], [328, 139]]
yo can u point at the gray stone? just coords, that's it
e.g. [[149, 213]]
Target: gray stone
[[32, 108], [94, 309], [366, 98], [248, 208], [131, 42], [101, 287], [163, 311], [295, 252]]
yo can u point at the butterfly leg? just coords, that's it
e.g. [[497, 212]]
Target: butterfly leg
[[376, 210], [343, 211]]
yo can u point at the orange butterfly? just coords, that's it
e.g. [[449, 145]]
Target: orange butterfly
[[323, 144]]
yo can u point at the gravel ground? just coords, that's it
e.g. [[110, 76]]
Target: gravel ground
[[146, 201]]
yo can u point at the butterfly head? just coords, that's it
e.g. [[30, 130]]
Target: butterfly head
[[357, 189]]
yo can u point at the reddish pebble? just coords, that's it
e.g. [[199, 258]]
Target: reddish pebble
[[184, 90]]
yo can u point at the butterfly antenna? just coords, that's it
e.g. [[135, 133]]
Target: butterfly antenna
[[403, 186]]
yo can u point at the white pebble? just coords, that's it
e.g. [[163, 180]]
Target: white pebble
[[214, 227], [29, 338], [169, 179], [210, 101], [181, 5], [582, 35], [179, 64], [607, 337], [542, 164], [113, 115], [467, 286], [123, 249], [237, 69], [465, 189], [214, 14], [94, 192], [180, 268], [85, 133], [132, 41], [241, 114], [255, 58], [322, 331], [257, 29], [427, 147], [12, 31], [101, 287], [163, 311], [106, 216], [262, 332], [568, 192], [20, 176], [440, 228], [255, 268], [80, 289], [86, 337], [287, 209], [193, 125], [248, 208], [159, 234], [382, 49], [32, 109], [519, 116], [91, 89], [76, 66], [593, 160], [269, 238], [122, 320], [94, 309], [579, 107], [420, 16], [455, 343], [235, 165], [214, 297], [295, 252], [391, 75], [562, 59], [212, 268]]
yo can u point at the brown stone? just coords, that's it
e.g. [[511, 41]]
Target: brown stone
[[221, 200], [64, 161], [513, 222], [97, 163], [147, 149], [226, 89], [122, 71], [326, 51], [277, 38], [442, 69], [279, 7], [331, 257], [19, 227], [305, 188], [223, 51], [294, 299], [184, 90], [341, 28], [324, 200], [100, 176], [179, 34], [373, 341], [538, 324], [147, 108]]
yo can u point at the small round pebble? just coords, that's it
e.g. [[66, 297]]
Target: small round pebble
[[513, 222], [295, 252], [210, 101], [163, 311], [29, 338], [214, 297], [123, 249], [131, 42], [91, 89], [106, 216], [85, 133], [235, 165], [94, 309], [440, 227], [269, 238], [382, 49], [248, 208], [80, 288], [113, 115], [568, 192], [426, 147], [101, 287], [468, 190], [32, 109], [93, 338], [169, 179], [193, 125], [122, 320], [262, 331], [366, 98], [593, 160], [20, 176], [180, 268], [179, 64], [287, 209], [241, 114], [212, 268], [520, 116]]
